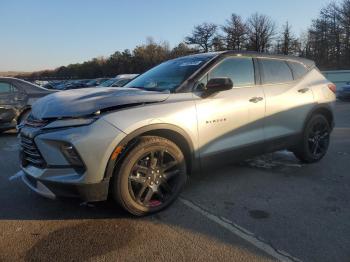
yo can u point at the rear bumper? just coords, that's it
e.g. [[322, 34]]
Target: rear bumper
[[52, 190]]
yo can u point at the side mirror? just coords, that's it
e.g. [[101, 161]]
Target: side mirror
[[219, 84]]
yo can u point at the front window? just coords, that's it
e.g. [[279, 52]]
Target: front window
[[169, 75], [239, 69]]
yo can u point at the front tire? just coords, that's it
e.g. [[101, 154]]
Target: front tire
[[150, 177], [315, 140]]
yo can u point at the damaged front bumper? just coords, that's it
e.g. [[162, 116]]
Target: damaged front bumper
[[37, 186], [46, 170], [53, 190]]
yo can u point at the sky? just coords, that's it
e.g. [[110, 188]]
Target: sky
[[45, 34]]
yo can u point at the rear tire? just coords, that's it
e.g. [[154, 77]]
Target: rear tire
[[150, 177], [315, 140]]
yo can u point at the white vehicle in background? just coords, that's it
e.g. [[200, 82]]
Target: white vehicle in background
[[41, 82], [119, 80]]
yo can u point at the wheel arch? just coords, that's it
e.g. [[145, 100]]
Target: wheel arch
[[322, 109], [168, 131]]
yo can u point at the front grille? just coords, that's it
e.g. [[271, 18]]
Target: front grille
[[30, 154]]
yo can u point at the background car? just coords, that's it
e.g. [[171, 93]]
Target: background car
[[16, 99], [96, 82], [54, 84], [72, 84], [344, 92], [119, 80]]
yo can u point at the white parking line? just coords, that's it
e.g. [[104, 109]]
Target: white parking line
[[242, 233]]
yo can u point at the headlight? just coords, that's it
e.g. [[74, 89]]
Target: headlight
[[70, 122]]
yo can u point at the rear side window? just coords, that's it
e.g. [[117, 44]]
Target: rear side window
[[275, 71], [5, 87], [299, 70], [239, 69]]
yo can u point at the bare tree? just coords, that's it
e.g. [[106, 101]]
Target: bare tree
[[203, 36], [345, 24], [304, 42], [326, 38], [235, 33], [218, 43], [332, 15], [287, 43], [261, 31], [287, 39], [181, 50], [318, 38]]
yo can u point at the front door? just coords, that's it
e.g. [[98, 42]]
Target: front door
[[230, 123]]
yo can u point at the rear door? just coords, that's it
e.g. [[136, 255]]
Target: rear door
[[230, 123], [288, 100]]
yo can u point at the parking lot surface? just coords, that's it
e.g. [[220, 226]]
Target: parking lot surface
[[264, 209]]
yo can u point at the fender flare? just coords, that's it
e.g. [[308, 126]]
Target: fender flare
[[320, 108], [153, 127]]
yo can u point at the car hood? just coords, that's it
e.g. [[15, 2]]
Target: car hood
[[87, 101]]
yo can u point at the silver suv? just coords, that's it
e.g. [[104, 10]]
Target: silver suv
[[139, 143]]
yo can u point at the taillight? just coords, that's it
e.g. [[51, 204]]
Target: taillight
[[332, 87]]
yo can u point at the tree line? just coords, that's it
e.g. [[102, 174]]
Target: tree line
[[327, 42], [139, 60]]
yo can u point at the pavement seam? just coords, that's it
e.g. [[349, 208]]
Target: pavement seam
[[242, 233]]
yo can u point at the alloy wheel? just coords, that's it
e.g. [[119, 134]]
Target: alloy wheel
[[154, 178], [318, 139]]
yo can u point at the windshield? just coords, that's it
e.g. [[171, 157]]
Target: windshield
[[169, 75]]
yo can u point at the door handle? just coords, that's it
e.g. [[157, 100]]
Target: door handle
[[256, 99], [304, 90]]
